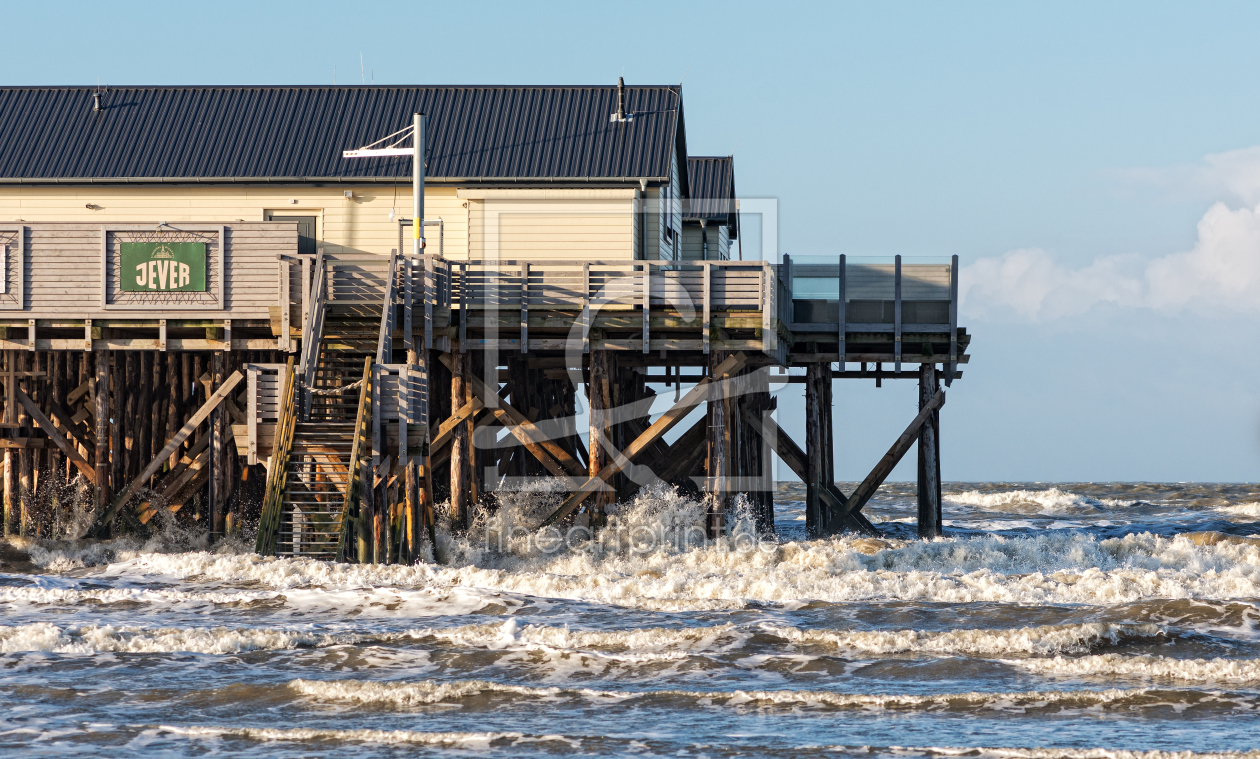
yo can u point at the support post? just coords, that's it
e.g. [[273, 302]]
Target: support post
[[842, 316], [717, 470], [461, 464], [10, 455], [100, 401], [218, 446], [929, 459], [417, 183], [897, 313], [26, 481], [815, 450], [599, 393]]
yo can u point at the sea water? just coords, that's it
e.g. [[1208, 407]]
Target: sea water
[[1052, 620]]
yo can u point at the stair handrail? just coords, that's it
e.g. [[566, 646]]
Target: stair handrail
[[357, 454], [312, 331], [277, 472], [385, 338]]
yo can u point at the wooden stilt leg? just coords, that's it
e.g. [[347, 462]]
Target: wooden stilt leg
[[814, 449], [144, 409], [11, 508], [26, 482], [100, 401], [460, 444], [718, 463], [599, 431], [929, 466], [218, 448], [174, 396]]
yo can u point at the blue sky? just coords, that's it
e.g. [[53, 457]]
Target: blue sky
[[1088, 162]]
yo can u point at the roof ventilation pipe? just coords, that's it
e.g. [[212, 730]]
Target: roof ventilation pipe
[[621, 116], [96, 102]]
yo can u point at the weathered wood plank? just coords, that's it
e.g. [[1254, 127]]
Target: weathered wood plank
[[890, 459], [55, 436], [193, 423], [694, 397]]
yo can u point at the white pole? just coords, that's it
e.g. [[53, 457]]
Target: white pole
[[417, 185]]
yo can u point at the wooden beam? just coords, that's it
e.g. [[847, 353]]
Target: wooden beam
[[890, 460], [447, 429], [56, 436], [680, 458], [169, 480], [796, 459], [800, 378], [22, 442], [523, 429], [193, 423], [694, 397], [929, 483], [67, 426], [79, 392], [173, 485]]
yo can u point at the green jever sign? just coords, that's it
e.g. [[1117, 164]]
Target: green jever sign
[[171, 267]]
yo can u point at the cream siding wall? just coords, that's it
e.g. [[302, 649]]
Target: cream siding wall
[[345, 226], [693, 243], [594, 225], [653, 234]]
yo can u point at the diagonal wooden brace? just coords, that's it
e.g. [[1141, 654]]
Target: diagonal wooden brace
[[47, 426], [797, 459], [211, 403], [890, 460], [535, 440], [694, 397], [447, 428]]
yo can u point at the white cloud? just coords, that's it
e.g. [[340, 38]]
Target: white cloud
[[1233, 174], [1220, 274]]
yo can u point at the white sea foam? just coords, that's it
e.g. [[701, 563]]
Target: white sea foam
[[1051, 501], [681, 572], [1046, 568], [1043, 640], [1146, 666], [469, 740], [1053, 753], [42, 636], [1251, 509], [638, 644], [426, 692]]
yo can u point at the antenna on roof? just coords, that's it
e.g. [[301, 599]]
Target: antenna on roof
[[362, 78]]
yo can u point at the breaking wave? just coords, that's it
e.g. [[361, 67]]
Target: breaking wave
[[638, 643], [1051, 502], [1047, 639], [1217, 670], [401, 695]]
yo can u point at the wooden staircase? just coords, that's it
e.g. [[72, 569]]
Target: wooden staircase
[[317, 505]]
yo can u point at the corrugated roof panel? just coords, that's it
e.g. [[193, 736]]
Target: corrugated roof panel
[[299, 132], [712, 189]]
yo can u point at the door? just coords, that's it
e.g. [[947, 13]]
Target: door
[[306, 230]]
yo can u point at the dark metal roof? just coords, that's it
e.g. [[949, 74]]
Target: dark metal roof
[[298, 133], [713, 191]]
